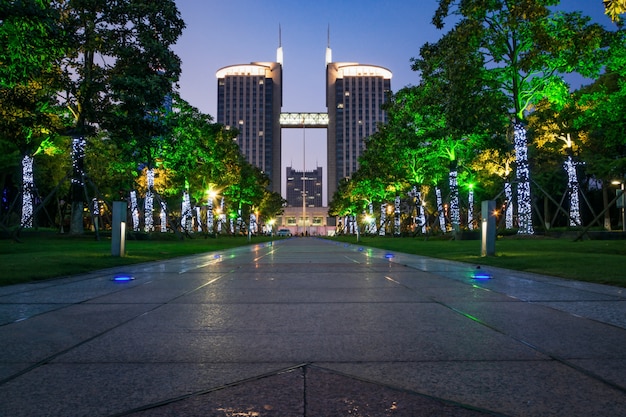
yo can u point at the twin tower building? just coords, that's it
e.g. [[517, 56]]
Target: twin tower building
[[250, 100]]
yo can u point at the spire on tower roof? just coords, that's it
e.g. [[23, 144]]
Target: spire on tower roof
[[279, 51], [329, 53]]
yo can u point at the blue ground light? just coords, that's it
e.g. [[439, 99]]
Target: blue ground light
[[478, 274], [122, 278]]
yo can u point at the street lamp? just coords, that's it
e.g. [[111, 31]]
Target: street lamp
[[620, 201]]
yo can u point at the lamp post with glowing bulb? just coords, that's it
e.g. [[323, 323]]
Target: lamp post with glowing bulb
[[620, 201]]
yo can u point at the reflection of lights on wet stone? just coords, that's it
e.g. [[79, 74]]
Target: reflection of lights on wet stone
[[479, 274]]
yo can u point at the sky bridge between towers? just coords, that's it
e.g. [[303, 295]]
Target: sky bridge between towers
[[304, 120]]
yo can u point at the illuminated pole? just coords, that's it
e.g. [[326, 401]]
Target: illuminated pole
[[621, 201]]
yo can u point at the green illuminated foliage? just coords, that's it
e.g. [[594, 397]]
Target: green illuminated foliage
[[528, 45], [604, 105]]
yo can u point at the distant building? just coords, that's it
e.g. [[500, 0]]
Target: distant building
[[312, 187], [249, 99], [354, 96]]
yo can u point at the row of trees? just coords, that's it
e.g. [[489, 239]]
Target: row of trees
[[492, 101], [88, 105]]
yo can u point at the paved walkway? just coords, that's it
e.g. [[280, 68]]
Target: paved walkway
[[307, 327]]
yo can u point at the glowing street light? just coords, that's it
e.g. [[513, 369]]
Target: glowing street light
[[620, 201]]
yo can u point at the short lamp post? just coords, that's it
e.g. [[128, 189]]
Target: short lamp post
[[620, 201]]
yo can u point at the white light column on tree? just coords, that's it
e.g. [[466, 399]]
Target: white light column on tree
[[420, 217], [383, 218], [508, 205], [253, 225], [163, 217], [209, 211], [28, 185], [77, 183], [470, 208], [572, 186], [222, 217], [134, 210], [396, 217], [186, 216], [149, 202], [442, 216], [455, 211], [371, 227], [524, 203], [198, 219]]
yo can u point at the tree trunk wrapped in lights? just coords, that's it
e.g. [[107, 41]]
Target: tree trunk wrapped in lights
[[420, 217], [198, 219], [572, 187], [524, 202], [222, 217], [209, 215], [442, 216], [470, 208], [134, 210], [28, 186], [383, 219], [396, 216], [77, 184], [455, 212], [508, 205], [186, 215], [149, 201], [163, 217], [370, 228]]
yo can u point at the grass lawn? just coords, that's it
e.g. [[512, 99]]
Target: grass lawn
[[599, 261], [47, 254]]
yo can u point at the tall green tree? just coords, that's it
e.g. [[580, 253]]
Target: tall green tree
[[527, 47], [462, 100], [30, 46], [118, 74], [604, 105]]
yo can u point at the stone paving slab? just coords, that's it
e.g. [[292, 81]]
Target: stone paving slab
[[307, 327]]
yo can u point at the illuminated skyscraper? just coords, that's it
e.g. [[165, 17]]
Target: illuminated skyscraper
[[354, 96], [250, 100]]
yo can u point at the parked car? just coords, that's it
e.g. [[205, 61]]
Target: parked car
[[283, 232]]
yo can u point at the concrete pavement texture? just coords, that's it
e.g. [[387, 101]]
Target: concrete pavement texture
[[309, 327]]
